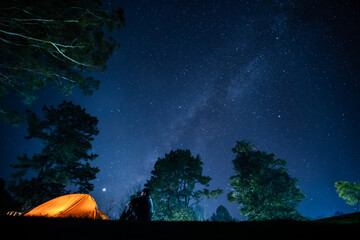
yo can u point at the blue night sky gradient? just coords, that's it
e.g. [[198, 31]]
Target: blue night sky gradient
[[201, 75]]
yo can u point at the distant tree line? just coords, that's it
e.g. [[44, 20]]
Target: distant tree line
[[260, 184]]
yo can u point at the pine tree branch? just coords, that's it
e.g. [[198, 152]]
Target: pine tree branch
[[9, 82], [69, 58], [40, 40], [55, 45], [43, 20], [36, 72]]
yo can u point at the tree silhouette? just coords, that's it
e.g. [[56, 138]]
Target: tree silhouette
[[349, 192], [54, 42], [262, 185], [172, 186], [64, 161], [221, 215]]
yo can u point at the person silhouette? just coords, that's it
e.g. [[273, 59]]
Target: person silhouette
[[139, 209]]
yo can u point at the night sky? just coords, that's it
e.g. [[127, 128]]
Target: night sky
[[201, 75]]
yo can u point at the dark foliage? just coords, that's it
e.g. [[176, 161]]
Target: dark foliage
[[48, 41], [7, 203], [66, 133], [172, 186], [262, 185], [349, 192], [221, 215]]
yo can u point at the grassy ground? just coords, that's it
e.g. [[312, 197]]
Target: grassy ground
[[343, 219], [41, 228]]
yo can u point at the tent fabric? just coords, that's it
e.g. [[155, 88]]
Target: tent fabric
[[69, 206]]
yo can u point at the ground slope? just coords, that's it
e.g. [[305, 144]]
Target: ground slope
[[44, 228]]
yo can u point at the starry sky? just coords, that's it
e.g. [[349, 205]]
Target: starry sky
[[201, 75]]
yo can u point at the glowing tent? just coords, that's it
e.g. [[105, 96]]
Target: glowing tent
[[72, 205]]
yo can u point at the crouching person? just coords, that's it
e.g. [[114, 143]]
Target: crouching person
[[139, 209]]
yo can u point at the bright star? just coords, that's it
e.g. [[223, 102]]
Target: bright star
[[104, 189]]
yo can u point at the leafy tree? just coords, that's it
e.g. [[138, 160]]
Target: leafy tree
[[262, 185], [221, 215], [49, 41], [349, 192], [173, 184], [64, 161]]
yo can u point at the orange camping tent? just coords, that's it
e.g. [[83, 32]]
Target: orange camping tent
[[72, 205]]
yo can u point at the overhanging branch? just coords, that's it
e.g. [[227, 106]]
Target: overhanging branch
[[55, 45]]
